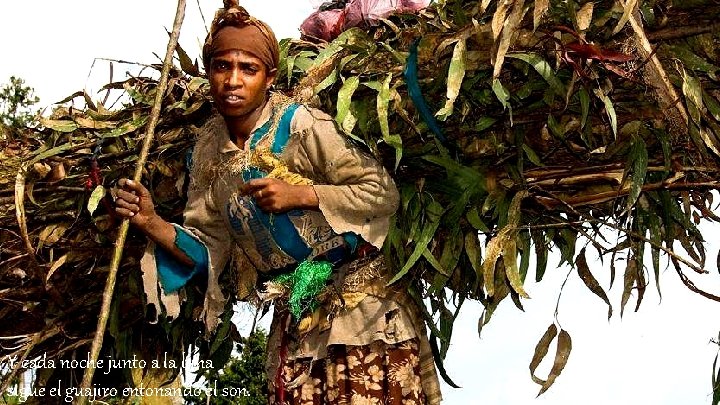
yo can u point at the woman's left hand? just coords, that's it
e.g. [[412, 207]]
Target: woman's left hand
[[273, 195]]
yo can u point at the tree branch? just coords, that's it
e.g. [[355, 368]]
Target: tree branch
[[122, 235]]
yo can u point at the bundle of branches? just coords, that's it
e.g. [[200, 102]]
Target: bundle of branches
[[57, 228], [536, 125], [512, 128]]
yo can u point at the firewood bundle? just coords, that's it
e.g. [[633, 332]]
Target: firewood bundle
[[512, 128]]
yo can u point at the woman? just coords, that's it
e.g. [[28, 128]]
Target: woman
[[278, 195]]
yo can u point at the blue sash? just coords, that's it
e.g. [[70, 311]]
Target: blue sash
[[280, 227]]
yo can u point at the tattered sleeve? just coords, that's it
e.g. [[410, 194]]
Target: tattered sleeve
[[204, 220], [203, 238], [355, 192]]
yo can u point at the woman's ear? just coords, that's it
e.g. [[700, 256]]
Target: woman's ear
[[270, 79]]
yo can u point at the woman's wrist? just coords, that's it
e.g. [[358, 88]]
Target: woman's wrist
[[149, 223], [308, 199]]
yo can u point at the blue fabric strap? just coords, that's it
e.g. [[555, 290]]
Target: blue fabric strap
[[172, 273], [411, 79], [260, 132], [281, 228], [282, 134]]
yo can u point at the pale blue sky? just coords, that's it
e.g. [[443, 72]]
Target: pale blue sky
[[660, 355]]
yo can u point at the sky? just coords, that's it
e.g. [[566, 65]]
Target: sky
[[660, 355]]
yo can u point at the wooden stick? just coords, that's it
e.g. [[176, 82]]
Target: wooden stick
[[122, 234], [657, 77], [20, 214]]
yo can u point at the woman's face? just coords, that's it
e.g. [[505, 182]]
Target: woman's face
[[238, 82]]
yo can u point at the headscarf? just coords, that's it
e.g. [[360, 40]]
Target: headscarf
[[257, 37]]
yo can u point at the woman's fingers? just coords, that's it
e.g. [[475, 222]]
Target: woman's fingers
[[126, 204], [275, 195], [124, 212], [130, 185], [123, 203], [133, 200], [127, 196], [252, 187]]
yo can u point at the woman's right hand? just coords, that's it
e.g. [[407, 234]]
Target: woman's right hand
[[133, 201]]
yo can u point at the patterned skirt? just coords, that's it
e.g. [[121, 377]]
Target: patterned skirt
[[377, 374]]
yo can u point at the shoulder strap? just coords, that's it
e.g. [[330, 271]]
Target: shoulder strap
[[282, 133]]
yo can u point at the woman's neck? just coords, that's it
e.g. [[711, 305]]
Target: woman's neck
[[240, 128]]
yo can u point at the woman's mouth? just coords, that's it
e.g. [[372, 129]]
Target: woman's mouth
[[233, 99]]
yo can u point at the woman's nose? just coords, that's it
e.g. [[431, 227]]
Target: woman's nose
[[234, 78]]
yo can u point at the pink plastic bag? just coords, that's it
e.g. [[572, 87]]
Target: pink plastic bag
[[410, 6], [325, 25], [328, 24], [370, 12]]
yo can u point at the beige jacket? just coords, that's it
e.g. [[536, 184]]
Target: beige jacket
[[355, 193]]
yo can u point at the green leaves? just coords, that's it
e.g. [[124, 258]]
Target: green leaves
[[433, 213], [630, 280], [541, 253], [343, 116], [692, 60], [609, 109], [97, 195], [383, 104], [543, 68], [638, 160], [472, 250], [59, 125], [569, 116], [501, 93], [455, 76], [503, 96], [693, 92], [127, 128], [584, 105]]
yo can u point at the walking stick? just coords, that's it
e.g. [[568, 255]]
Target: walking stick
[[122, 234]]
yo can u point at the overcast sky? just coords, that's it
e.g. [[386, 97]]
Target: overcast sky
[[660, 355]]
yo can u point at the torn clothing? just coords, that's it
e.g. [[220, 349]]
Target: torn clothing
[[356, 195], [356, 198], [358, 310]]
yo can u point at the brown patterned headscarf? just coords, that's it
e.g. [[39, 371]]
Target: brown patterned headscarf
[[257, 37]]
